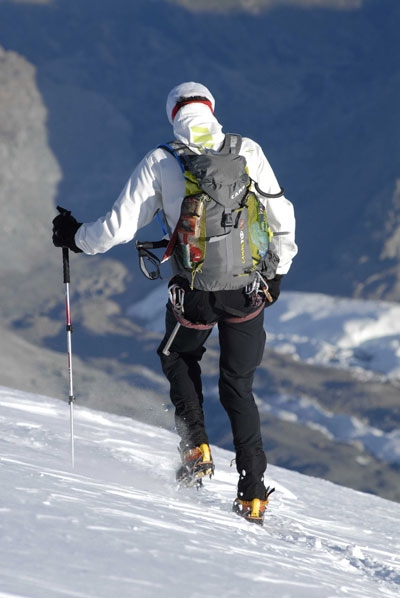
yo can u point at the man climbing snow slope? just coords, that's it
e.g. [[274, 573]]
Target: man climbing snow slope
[[231, 240]]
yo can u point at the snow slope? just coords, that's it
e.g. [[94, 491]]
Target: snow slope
[[117, 525]]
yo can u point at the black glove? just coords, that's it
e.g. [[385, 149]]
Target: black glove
[[274, 288], [64, 230]]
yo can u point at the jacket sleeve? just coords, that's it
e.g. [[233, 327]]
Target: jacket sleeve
[[280, 211], [135, 207]]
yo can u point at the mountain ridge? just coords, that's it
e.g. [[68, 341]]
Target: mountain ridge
[[320, 83]]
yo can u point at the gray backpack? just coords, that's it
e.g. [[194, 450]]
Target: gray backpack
[[222, 236]]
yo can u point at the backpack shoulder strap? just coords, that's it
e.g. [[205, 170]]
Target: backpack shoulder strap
[[176, 149], [232, 144]]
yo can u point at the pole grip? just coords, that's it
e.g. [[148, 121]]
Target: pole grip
[[66, 274]]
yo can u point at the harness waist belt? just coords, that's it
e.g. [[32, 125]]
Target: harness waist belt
[[232, 320]]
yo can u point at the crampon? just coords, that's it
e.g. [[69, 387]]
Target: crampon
[[197, 463], [252, 510]]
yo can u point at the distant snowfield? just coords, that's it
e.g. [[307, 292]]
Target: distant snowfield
[[346, 333], [318, 329], [117, 525], [385, 446]]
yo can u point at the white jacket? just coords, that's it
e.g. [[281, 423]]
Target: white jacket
[[157, 184]]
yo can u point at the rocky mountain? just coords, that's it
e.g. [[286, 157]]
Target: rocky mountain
[[29, 172], [317, 86], [82, 98]]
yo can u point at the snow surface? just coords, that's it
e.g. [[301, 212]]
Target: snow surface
[[117, 525]]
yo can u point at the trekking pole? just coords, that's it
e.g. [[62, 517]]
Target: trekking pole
[[69, 348]]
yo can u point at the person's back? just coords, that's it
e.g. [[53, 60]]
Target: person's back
[[222, 237]]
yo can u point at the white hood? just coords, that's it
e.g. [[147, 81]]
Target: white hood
[[187, 90], [196, 125]]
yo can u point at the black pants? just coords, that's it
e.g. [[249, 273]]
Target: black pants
[[241, 350]]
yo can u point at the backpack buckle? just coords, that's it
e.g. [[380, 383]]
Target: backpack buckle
[[227, 220]]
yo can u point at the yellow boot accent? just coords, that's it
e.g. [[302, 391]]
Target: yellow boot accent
[[205, 450], [256, 507], [207, 459]]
